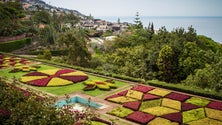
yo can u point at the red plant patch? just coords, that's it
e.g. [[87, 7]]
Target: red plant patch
[[140, 117], [89, 87], [112, 96], [54, 77], [142, 88], [188, 106], [215, 105], [36, 74], [148, 96], [123, 93], [178, 96], [175, 117], [132, 105]]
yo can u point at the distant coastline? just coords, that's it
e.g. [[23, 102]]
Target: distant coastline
[[209, 26]]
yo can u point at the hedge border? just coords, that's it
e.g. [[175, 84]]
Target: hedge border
[[14, 45]]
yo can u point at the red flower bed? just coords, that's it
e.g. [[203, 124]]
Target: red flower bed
[[36, 74], [188, 106], [178, 96], [215, 105], [149, 97], [175, 117], [140, 117], [143, 89], [89, 87], [132, 105], [123, 93], [40, 82], [112, 96], [54, 77]]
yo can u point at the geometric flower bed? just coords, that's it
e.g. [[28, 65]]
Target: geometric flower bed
[[6, 62], [24, 68], [53, 77], [93, 84], [154, 106]]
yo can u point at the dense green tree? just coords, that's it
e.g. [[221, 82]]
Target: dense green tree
[[42, 16], [10, 19], [138, 23], [75, 42], [165, 63]]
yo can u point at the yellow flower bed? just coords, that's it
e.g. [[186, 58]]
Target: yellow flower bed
[[205, 121], [159, 92], [122, 99], [134, 94], [215, 114], [77, 73], [163, 121], [50, 71], [159, 111], [30, 78], [58, 82], [171, 103]]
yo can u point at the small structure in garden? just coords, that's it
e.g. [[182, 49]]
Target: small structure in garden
[[103, 85], [54, 77]]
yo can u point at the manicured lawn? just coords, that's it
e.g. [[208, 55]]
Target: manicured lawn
[[78, 87], [5, 72]]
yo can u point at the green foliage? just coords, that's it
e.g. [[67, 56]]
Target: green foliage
[[10, 23], [165, 63], [75, 43], [29, 110], [46, 55], [121, 112], [14, 45]]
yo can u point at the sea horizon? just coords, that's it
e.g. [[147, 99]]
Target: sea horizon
[[210, 26]]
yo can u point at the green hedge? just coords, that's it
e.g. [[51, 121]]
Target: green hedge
[[14, 45], [186, 89]]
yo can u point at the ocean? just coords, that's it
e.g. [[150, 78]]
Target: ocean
[[208, 26]]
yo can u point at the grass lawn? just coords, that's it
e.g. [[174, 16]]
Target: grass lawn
[[78, 87], [61, 90], [5, 72]]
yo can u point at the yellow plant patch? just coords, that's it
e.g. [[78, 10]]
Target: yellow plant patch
[[159, 111], [134, 94], [77, 73], [159, 92], [58, 82], [50, 71], [122, 99], [31, 78], [214, 114], [171, 103], [205, 121], [162, 121]]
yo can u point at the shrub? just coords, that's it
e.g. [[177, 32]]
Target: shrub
[[140, 117], [132, 105], [192, 115], [14, 45], [175, 117], [188, 106], [142, 88], [198, 101], [178, 96], [159, 111], [121, 112]]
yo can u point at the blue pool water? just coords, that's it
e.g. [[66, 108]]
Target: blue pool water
[[77, 99]]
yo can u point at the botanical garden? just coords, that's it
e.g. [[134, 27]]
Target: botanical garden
[[54, 74]]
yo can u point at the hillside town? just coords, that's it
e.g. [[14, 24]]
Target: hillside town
[[85, 21]]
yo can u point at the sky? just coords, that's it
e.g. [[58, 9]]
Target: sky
[[99, 8]]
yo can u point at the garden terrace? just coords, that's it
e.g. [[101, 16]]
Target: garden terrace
[[133, 103]]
